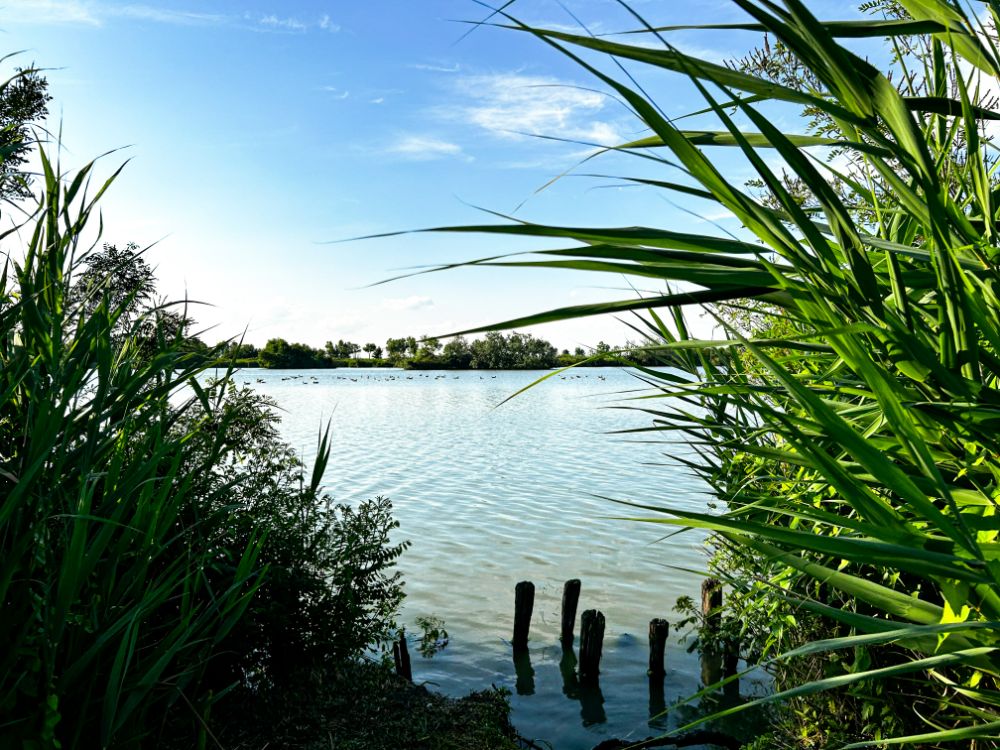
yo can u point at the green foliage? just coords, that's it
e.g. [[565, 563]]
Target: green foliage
[[281, 355], [24, 102], [515, 351], [856, 452], [330, 592], [113, 597], [161, 551], [433, 635]]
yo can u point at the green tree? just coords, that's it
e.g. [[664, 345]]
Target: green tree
[[396, 349], [456, 353], [429, 347], [24, 102]]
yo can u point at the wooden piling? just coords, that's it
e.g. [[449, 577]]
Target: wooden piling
[[570, 598], [524, 603], [711, 604], [658, 631], [591, 644], [401, 656]]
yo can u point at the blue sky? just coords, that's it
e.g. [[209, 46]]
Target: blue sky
[[259, 130]]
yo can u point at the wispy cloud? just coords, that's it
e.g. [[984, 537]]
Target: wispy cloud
[[514, 106], [336, 93], [48, 11], [327, 25], [425, 148], [163, 15], [437, 67], [282, 24], [400, 304], [98, 12]]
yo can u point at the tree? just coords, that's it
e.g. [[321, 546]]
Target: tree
[[396, 349], [456, 353], [428, 348], [412, 346], [122, 279], [23, 102], [370, 349]]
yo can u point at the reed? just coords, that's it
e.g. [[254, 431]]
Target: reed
[[855, 440]]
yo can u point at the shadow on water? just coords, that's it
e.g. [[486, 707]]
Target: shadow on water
[[524, 672], [657, 703], [588, 694]]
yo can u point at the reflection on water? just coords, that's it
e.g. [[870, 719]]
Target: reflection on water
[[492, 496]]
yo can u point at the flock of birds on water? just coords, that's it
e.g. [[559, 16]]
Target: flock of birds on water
[[313, 380]]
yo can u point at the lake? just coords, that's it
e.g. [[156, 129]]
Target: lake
[[492, 494]]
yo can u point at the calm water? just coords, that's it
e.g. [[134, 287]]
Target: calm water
[[490, 496]]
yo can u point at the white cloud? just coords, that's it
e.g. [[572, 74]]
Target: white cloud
[[437, 68], [401, 304], [286, 24], [161, 15], [337, 93], [377, 100], [425, 148], [48, 11], [514, 105], [97, 12]]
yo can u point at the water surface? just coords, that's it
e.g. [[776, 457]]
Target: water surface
[[491, 495]]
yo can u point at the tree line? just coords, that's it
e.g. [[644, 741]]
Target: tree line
[[494, 351]]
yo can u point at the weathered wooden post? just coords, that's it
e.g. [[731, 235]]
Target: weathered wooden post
[[711, 610], [711, 604], [570, 598], [524, 603], [658, 631], [591, 644], [401, 656]]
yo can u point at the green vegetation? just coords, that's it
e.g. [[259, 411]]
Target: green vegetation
[[847, 421], [169, 572], [495, 351]]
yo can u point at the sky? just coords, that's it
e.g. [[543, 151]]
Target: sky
[[260, 135]]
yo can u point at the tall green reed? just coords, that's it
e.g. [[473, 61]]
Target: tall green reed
[[857, 451], [111, 596]]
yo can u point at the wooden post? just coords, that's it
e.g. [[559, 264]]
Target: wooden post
[[524, 603], [570, 598], [658, 632], [711, 604], [591, 644], [401, 655]]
